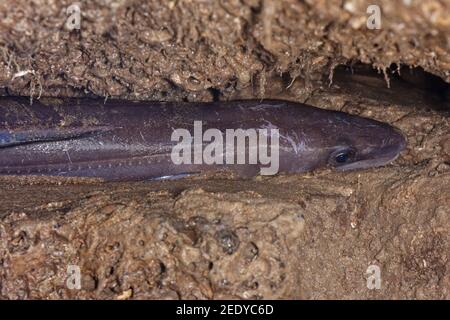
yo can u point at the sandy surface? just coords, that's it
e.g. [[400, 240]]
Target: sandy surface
[[298, 236]]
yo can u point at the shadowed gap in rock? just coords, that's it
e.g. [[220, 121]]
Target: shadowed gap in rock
[[403, 85]]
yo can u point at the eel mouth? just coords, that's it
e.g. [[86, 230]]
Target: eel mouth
[[369, 163]]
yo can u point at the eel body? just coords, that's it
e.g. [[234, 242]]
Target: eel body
[[123, 140]]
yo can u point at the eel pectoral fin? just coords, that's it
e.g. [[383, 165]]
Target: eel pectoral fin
[[175, 176], [13, 138]]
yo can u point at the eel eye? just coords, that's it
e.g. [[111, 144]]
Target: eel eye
[[342, 156]]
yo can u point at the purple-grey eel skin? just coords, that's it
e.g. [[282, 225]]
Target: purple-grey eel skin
[[125, 140]]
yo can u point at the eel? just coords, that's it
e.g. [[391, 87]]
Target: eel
[[130, 140]]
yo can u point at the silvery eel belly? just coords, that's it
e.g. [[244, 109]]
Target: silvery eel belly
[[123, 140]]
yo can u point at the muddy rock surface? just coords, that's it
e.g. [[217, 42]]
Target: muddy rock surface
[[196, 50], [302, 236]]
